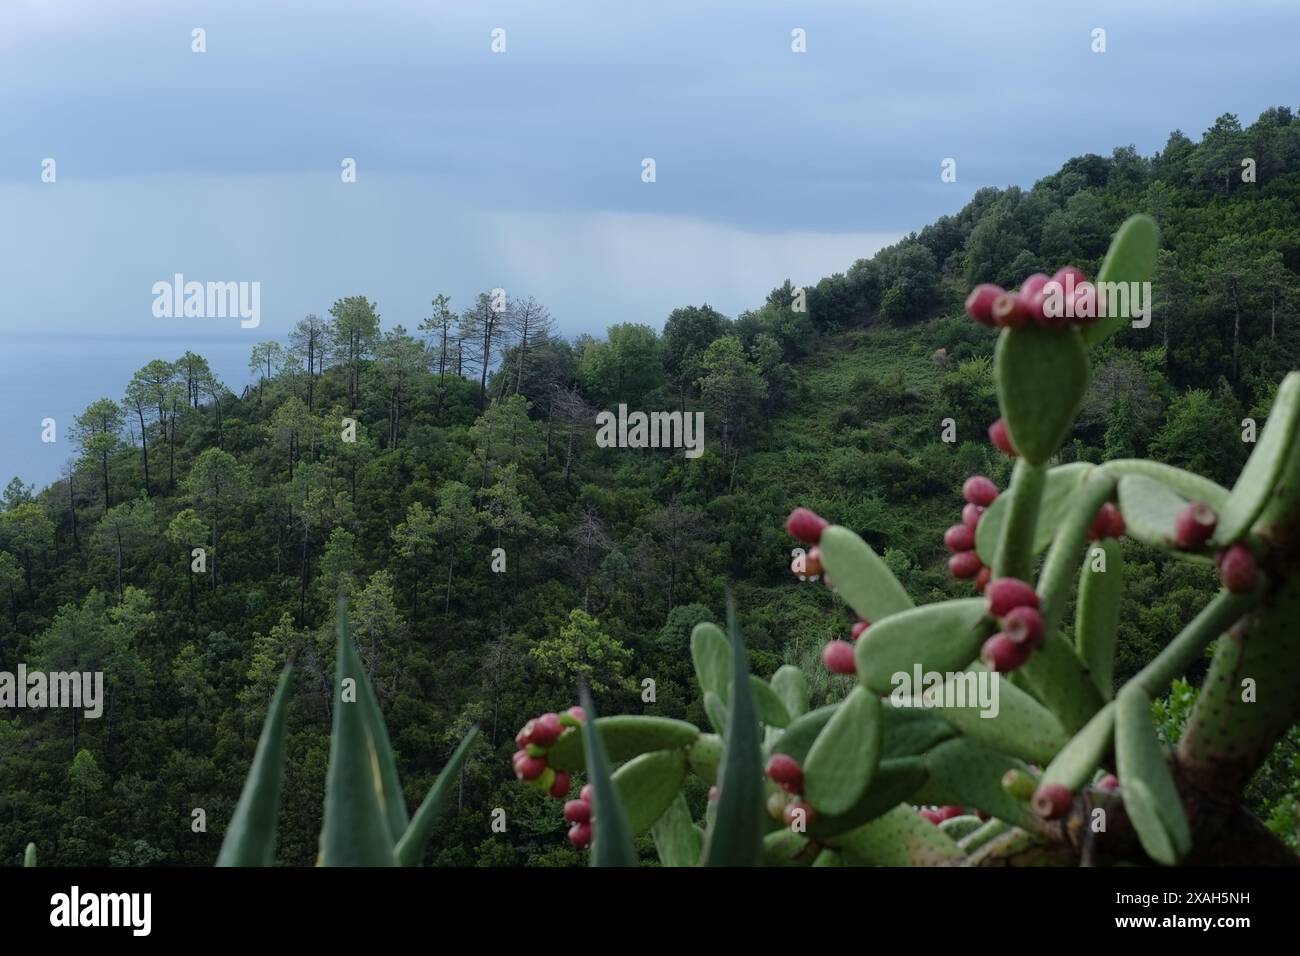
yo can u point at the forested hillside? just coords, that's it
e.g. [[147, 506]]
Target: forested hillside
[[442, 471]]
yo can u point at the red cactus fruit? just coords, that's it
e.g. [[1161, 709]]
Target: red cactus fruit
[[786, 773], [1109, 523], [1001, 438], [1238, 569], [947, 813], [931, 815], [959, 538], [1108, 782], [528, 768], [1000, 653], [580, 836], [970, 515], [982, 579], [1032, 297], [776, 805], [525, 735], [978, 490], [838, 657], [965, 564], [1070, 277], [577, 811], [547, 729], [585, 793], [800, 813], [560, 788], [1194, 525], [1009, 311], [806, 525], [859, 628], [979, 304], [1052, 801], [1024, 625], [1007, 594], [578, 714]]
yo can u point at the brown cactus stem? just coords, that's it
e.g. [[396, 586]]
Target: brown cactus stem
[[1015, 557]]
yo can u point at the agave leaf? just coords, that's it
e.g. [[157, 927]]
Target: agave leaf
[[625, 736], [1020, 727], [735, 837], [1059, 489], [791, 686], [355, 829], [29, 857], [1146, 783], [394, 801], [973, 773], [843, 758], [1041, 376], [939, 637], [410, 848], [648, 785], [711, 655], [611, 835], [1096, 622], [771, 710], [861, 578], [1131, 258], [676, 838], [1259, 477], [250, 837]]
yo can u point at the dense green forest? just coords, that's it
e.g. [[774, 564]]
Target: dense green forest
[[447, 479]]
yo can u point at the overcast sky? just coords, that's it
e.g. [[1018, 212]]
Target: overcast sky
[[523, 169]]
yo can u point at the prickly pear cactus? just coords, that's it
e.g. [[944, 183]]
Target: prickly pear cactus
[[913, 767]]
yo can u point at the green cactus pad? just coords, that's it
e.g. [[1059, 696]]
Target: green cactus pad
[[828, 858], [911, 730], [1022, 727], [1041, 376], [791, 686], [958, 828], [895, 781], [1087, 749], [1256, 483], [940, 637], [901, 837], [973, 773], [716, 711], [1150, 510], [861, 578], [798, 738], [704, 756], [1190, 486], [843, 758], [771, 709], [625, 737], [1056, 676], [785, 847], [1146, 783], [1059, 489], [711, 654], [647, 786], [677, 840], [1096, 621], [1131, 258]]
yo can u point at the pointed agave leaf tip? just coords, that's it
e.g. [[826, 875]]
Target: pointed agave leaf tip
[[611, 835], [736, 835], [29, 858], [410, 848], [355, 830], [250, 837]]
